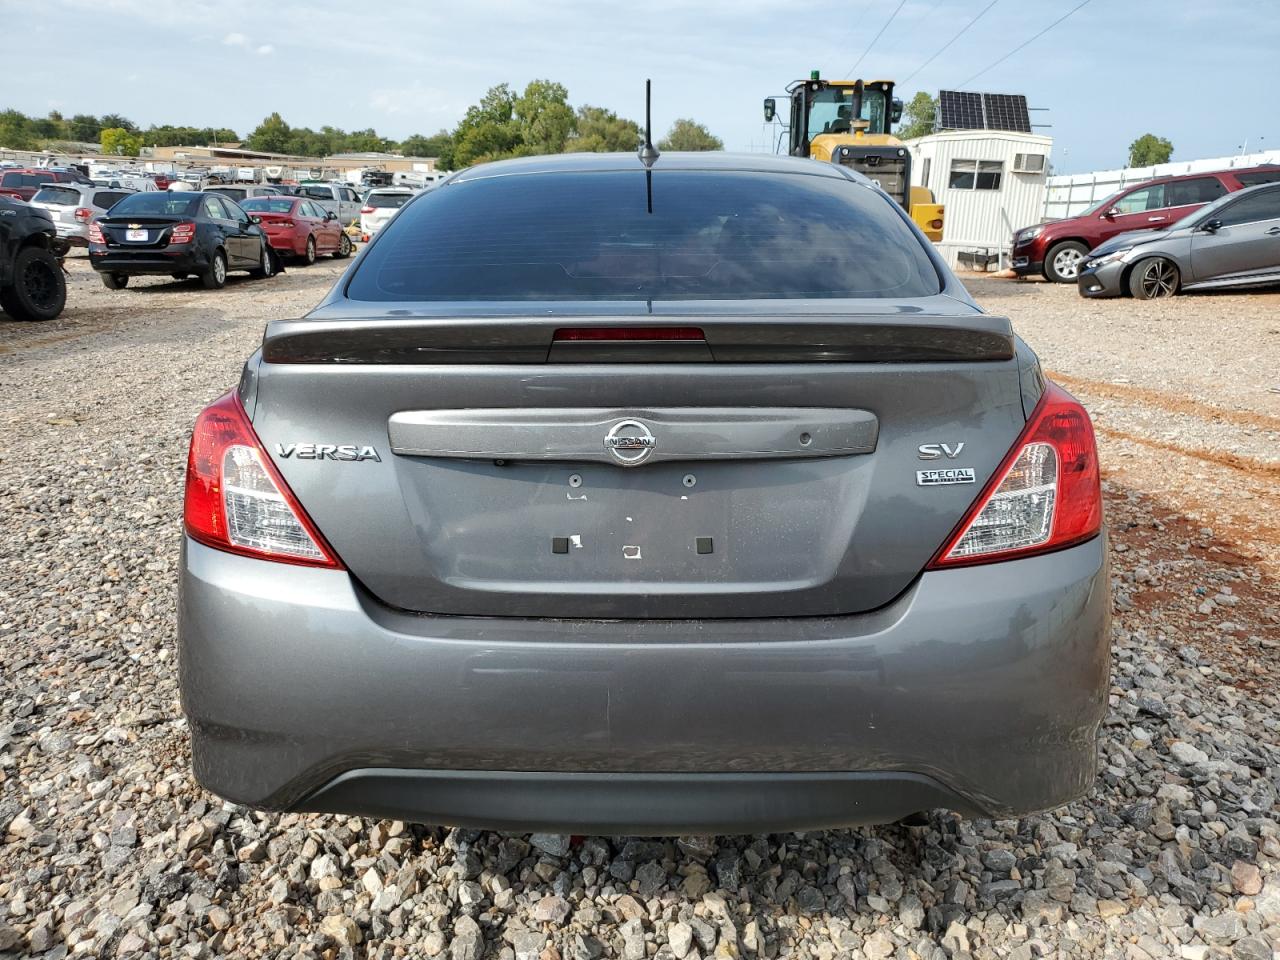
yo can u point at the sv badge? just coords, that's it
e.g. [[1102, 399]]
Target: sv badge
[[936, 451]]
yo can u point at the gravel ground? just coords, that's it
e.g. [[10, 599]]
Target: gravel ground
[[108, 848]]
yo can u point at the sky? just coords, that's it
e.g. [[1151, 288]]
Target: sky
[[1203, 75]]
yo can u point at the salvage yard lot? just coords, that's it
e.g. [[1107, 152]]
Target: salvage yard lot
[[109, 848]]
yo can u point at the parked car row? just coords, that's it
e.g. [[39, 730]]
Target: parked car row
[[1155, 238], [23, 183]]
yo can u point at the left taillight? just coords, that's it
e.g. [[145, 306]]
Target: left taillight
[[237, 501], [183, 232], [95, 234], [1046, 495]]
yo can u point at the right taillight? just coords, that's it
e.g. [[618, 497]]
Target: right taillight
[[237, 501], [183, 232], [1045, 495]]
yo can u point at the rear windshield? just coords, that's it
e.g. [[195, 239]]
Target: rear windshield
[[1259, 176], [590, 236], [62, 196], [267, 205], [387, 199], [108, 198], [25, 179], [233, 192], [158, 204]]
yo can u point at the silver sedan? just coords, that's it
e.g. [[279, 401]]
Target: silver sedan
[[1234, 241]]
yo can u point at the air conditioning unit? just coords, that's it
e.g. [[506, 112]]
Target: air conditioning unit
[[1028, 163]]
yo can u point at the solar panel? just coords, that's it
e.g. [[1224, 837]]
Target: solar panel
[[960, 110], [1006, 112]]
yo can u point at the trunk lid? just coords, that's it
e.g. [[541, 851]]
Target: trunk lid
[[141, 232], [765, 467]]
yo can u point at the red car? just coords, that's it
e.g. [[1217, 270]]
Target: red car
[[297, 227], [22, 184], [1057, 249]]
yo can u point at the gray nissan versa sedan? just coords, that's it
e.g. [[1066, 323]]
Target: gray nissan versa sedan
[[597, 499]]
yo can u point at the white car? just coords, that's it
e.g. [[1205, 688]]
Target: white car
[[74, 206], [380, 206]]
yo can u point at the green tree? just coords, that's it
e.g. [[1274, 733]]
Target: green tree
[[603, 131], [16, 131], [439, 146], [488, 130], [545, 118], [115, 120], [1149, 149], [688, 135], [119, 142], [52, 127], [918, 117], [84, 127], [365, 141], [270, 136]]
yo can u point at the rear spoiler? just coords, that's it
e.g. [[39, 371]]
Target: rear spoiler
[[880, 338]]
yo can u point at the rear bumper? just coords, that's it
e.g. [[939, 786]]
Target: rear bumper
[[980, 689], [290, 243], [76, 234], [142, 262]]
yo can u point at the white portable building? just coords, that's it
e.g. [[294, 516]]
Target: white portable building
[[991, 183]]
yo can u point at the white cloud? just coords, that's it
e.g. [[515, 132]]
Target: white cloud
[[236, 40], [266, 49]]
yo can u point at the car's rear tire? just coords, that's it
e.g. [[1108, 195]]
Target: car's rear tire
[[39, 290], [1154, 279], [344, 247], [215, 275], [268, 268], [115, 281], [309, 254], [1063, 262]]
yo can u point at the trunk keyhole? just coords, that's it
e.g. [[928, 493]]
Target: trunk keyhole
[[690, 479], [575, 480], [804, 439]]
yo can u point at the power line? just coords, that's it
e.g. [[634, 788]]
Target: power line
[[1023, 44], [944, 47], [892, 16]]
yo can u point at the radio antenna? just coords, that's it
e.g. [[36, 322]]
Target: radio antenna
[[648, 152]]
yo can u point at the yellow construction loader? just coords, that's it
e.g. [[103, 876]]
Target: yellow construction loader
[[849, 122]]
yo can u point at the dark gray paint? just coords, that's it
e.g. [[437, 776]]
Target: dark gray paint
[[810, 536], [991, 680]]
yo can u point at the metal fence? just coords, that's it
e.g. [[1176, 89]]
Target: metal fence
[[1071, 194]]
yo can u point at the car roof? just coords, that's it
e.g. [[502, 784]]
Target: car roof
[[711, 160]]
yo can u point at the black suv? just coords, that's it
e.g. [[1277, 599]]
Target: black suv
[[32, 286]]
